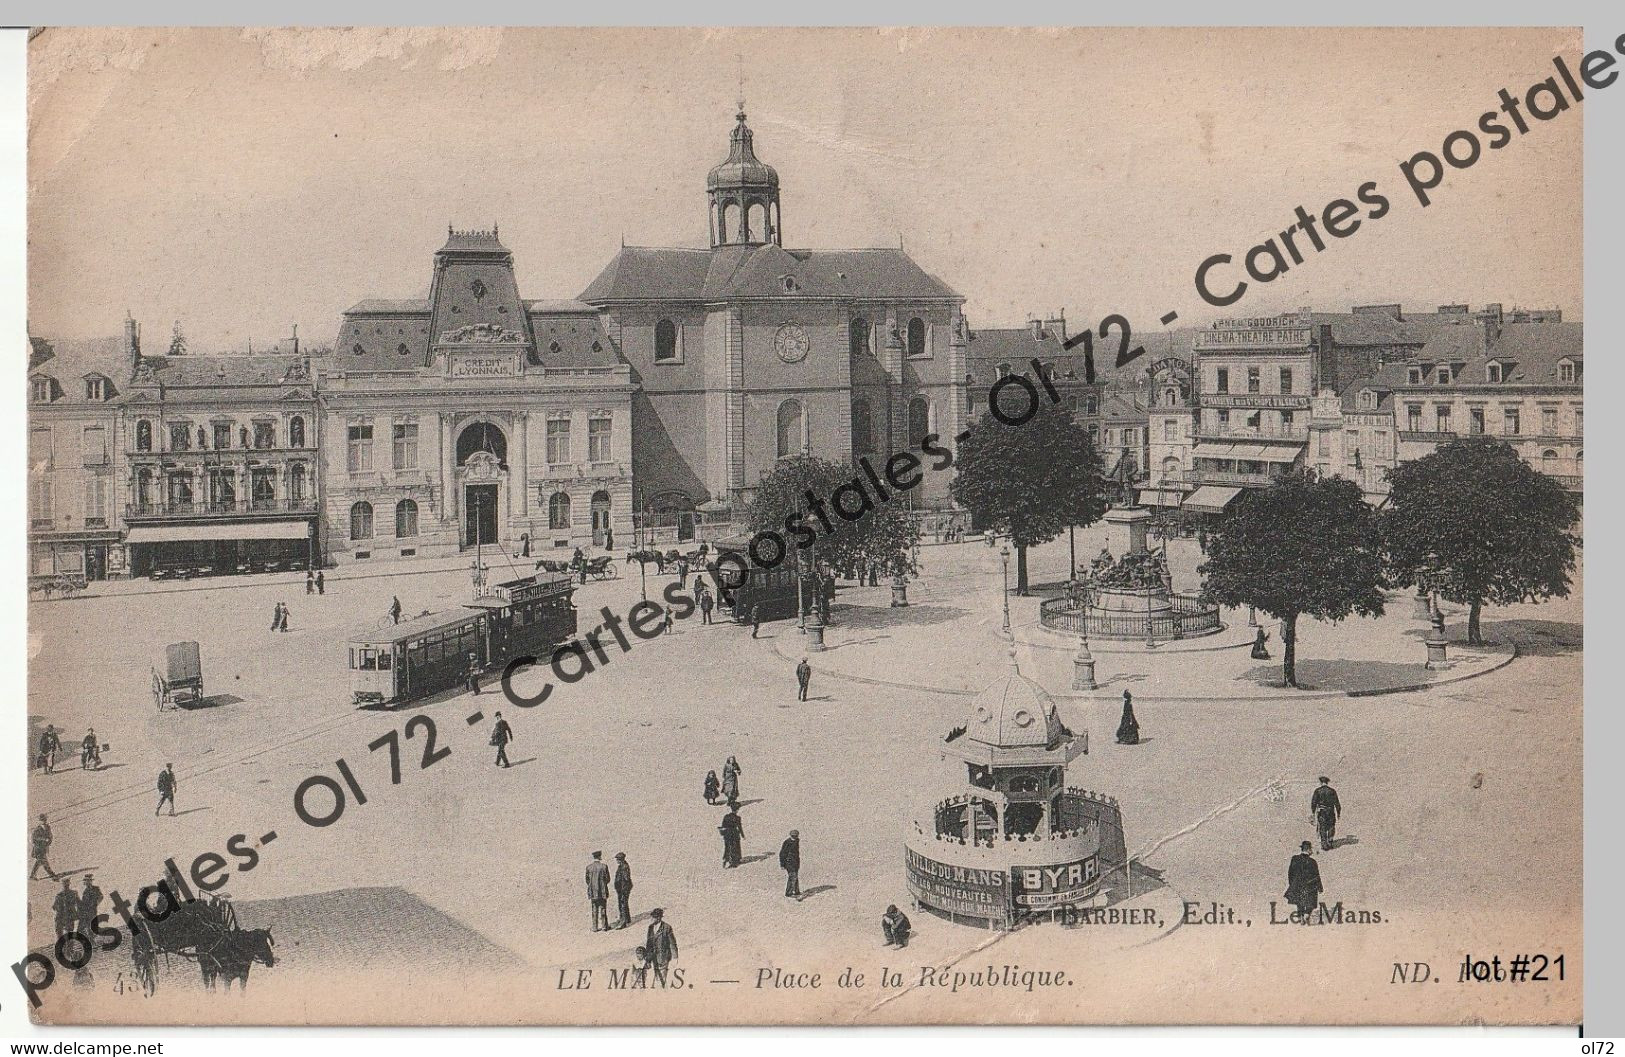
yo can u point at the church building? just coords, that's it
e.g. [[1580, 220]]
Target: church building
[[746, 352]]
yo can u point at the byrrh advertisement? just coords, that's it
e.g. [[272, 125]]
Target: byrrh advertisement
[[804, 526]]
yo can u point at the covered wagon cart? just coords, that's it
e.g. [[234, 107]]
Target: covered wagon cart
[[180, 679]]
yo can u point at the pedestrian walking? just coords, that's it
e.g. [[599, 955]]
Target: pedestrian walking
[[284, 616], [473, 681], [682, 572], [90, 904], [1325, 809], [310, 582], [276, 617], [394, 609], [665, 628], [609, 538], [501, 734], [706, 603], [524, 545], [712, 787], [730, 782], [598, 892], [733, 836], [623, 890], [660, 945], [803, 677], [1259, 652], [321, 583], [1303, 886], [40, 842], [166, 789], [90, 753], [790, 862], [49, 744], [65, 908], [1128, 729], [755, 620], [894, 924]]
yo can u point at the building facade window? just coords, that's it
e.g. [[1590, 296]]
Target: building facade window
[[262, 489], [1170, 431], [1252, 379], [404, 446], [40, 500], [98, 498], [1548, 461], [1510, 421], [789, 429], [599, 431], [40, 390], [1444, 376], [666, 346], [180, 437], [264, 435], [863, 429], [1286, 380], [1287, 420], [919, 420], [558, 512], [857, 336], [297, 482], [1579, 422], [406, 519], [916, 337], [359, 456], [180, 492], [93, 445], [296, 432], [1548, 421], [1223, 383], [1492, 373], [1323, 448], [1414, 376], [1565, 372], [1413, 418], [1091, 404], [221, 438], [361, 521], [1475, 421], [558, 441], [143, 435], [95, 388], [1441, 418]]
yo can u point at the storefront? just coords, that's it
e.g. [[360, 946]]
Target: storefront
[[162, 551]]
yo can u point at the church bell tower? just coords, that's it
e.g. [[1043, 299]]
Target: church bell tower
[[743, 193]]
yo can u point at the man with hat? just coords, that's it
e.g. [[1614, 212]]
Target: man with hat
[[1325, 809], [895, 926], [41, 840], [1303, 882], [65, 907], [598, 892], [623, 889], [660, 946], [90, 904], [166, 789], [501, 734], [790, 861]]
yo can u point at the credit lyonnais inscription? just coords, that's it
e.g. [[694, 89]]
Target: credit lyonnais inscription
[[482, 367]]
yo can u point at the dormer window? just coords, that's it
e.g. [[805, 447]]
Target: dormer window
[[1368, 400], [790, 284], [1444, 375], [555, 348], [1416, 376], [1002, 370], [41, 390], [1567, 371], [1492, 373], [95, 387]]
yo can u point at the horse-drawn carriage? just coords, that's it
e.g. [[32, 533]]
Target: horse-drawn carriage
[[181, 680], [204, 932], [601, 568]]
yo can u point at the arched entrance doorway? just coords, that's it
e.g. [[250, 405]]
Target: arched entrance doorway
[[600, 519], [482, 471]]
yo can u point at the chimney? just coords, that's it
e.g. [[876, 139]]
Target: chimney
[[1057, 326], [132, 339], [1037, 327]]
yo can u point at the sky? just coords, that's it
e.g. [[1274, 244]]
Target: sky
[[242, 181]]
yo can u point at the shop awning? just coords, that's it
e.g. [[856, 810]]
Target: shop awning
[[1285, 451], [1168, 497], [1210, 499], [245, 530]]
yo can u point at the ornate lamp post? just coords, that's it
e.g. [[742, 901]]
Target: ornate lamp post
[[1004, 558]]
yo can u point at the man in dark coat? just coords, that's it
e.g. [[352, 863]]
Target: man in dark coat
[[790, 862], [276, 617], [755, 620], [90, 904], [660, 946], [310, 582], [894, 923], [49, 744], [65, 908], [706, 604], [321, 583], [90, 755], [623, 890], [501, 734], [394, 609], [166, 789], [598, 892], [733, 836], [1303, 882], [1325, 809], [41, 842], [803, 677]]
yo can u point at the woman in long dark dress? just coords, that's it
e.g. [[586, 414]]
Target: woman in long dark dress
[[1259, 652], [712, 787], [730, 782], [1128, 730]]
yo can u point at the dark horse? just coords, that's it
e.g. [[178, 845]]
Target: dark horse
[[643, 557], [234, 956]]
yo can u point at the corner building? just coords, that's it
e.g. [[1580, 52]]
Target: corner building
[[474, 418], [746, 353]]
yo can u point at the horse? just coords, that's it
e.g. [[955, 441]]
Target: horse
[[235, 955], [643, 557]]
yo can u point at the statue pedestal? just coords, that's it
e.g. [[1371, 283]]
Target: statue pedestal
[[1126, 529], [815, 636], [899, 593], [1437, 660], [1083, 668], [1424, 611]]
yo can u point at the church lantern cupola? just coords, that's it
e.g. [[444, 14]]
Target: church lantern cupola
[[743, 193]]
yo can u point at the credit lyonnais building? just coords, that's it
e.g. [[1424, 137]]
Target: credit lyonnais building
[[746, 352], [473, 418]]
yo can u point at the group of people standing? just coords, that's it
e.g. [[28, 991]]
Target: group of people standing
[[50, 746], [279, 617], [315, 582], [659, 948]]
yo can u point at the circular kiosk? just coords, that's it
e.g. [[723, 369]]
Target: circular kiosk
[[1017, 842]]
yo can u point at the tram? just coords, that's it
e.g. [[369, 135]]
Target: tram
[[742, 584], [399, 662]]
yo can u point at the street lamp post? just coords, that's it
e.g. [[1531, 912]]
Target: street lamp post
[[1004, 557]]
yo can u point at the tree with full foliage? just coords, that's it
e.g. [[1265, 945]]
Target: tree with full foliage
[[881, 530], [1477, 524], [1031, 480], [1304, 546]]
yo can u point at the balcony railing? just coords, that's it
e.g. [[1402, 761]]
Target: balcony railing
[[193, 454], [1296, 433], [231, 508], [1220, 477]]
